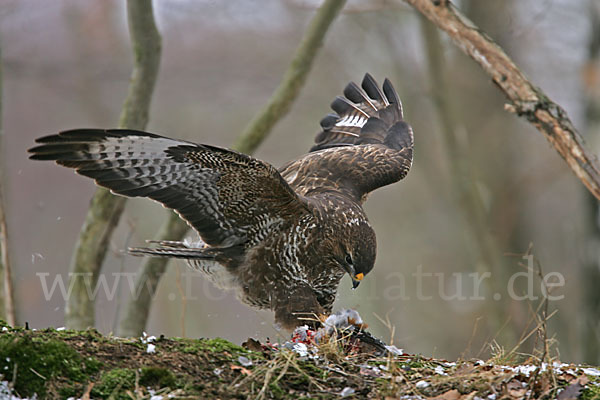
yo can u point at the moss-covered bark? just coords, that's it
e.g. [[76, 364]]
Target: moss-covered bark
[[106, 209], [7, 308]]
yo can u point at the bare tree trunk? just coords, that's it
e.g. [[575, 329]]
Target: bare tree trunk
[[7, 307], [106, 209], [487, 255], [590, 268], [526, 99], [137, 309]]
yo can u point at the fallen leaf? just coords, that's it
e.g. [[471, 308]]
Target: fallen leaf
[[583, 380], [243, 370], [449, 395], [544, 383], [374, 372], [469, 396], [515, 389], [88, 390], [571, 392]]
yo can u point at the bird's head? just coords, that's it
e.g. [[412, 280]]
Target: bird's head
[[356, 250]]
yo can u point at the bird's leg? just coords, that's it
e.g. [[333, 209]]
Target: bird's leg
[[298, 307]]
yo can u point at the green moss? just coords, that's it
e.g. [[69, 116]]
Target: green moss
[[219, 345], [6, 328], [416, 362], [591, 392], [384, 387], [114, 384], [216, 345], [157, 377], [311, 369], [37, 361], [69, 391], [277, 391], [190, 349]]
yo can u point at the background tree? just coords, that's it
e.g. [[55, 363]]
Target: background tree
[[105, 209], [7, 307], [590, 260], [222, 62], [136, 313]]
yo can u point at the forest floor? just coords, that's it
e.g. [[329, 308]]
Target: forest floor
[[53, 364]]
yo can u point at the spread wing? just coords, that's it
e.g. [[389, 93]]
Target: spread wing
[[366, 144], [227, 197]]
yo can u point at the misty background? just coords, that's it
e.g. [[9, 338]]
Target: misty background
[[67, 65]]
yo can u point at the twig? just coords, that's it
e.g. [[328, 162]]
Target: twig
[[38, 374], [470, 342], [269, 374], [7, 310], [542, 307], [106, 209], [137, 310], [280, 103], [13, 382], [88, 391], [541, 325], [525, 99], [388, 324]]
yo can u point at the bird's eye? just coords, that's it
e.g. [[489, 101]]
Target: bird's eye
[[348, 259]]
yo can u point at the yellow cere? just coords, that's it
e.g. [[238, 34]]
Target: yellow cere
[[359, 277]]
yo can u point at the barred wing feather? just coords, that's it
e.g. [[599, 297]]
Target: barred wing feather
[[227, 197]]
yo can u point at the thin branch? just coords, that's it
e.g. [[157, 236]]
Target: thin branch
[[137, 310], [106, 209], [525, 99], [293, 79], [7, 306]]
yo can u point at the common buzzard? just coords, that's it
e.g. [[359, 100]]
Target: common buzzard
[[282, 239]]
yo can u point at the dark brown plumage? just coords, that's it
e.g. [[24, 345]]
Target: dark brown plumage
[[282, 239]]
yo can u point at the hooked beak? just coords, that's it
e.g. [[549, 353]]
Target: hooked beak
[[356, 278]]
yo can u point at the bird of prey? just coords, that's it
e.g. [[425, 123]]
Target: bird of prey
[[282, 239]]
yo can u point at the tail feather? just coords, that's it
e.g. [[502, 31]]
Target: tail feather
[[213, 262], [169, 243], [171, 250]]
